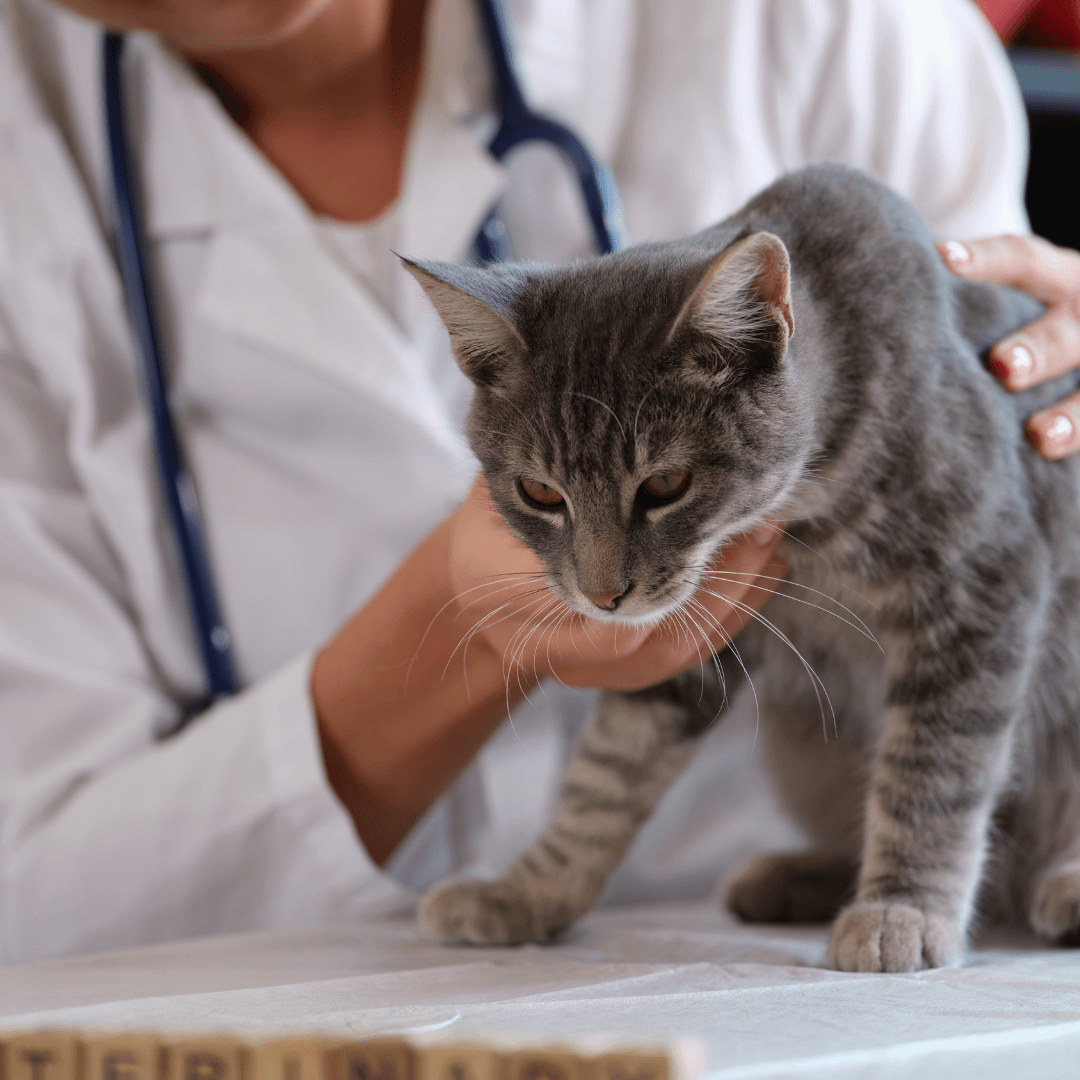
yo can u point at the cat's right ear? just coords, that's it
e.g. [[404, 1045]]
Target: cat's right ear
[[484, 340], [743, 297]]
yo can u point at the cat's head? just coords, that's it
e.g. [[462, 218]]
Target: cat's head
[[631, 412]]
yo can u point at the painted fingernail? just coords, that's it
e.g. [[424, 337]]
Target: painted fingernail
[[1020, 360], [1052, 436], [1059, 431], [1018, 368], [957, 253]]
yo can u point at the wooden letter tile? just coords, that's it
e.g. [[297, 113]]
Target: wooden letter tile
[[372, 1059], [48, 1055], [457, 1063]]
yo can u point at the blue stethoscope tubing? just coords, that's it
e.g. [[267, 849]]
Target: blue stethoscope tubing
[[518, 125], [178, 488]]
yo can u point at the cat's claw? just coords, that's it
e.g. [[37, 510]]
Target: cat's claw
[[876, 936], [468, 912], [1055, 908]]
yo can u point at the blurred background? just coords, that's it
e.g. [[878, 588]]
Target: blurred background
[[1043, 39]]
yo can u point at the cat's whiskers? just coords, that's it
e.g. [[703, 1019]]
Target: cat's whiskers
[[516, 665], [677, 628], [815, 679], [703, 636], [637, 412], [528, 447], [488, 621], [560, 613], [556, 626], [787, 536], [682, 624], [527, 419], [566, 615], [815, 476], [485, 623], [537, 633], [602, 404], [453, 600], [730, 645], [520, 638], [513, 666], [731, 577]]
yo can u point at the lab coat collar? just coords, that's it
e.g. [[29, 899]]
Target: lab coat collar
[[268, 279], [201, 172]]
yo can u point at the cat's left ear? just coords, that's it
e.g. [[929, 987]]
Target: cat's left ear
[[471, 302], [744, 295]]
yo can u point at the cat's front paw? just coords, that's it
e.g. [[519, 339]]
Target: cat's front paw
[[1055, 907], [876, 936], [468, 912]]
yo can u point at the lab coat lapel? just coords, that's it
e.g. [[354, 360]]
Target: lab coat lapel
[[280, 291], [269, 280]]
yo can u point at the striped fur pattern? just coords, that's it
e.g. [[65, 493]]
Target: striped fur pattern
[[807, 360]]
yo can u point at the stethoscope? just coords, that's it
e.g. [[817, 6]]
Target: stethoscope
[[518, 124]]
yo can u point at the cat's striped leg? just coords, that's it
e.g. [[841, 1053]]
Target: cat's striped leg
[[932, 788], [629, 753]]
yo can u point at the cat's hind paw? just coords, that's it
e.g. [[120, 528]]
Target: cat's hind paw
[[1055, 907], [798, 886], [876, 936], [469, 912]]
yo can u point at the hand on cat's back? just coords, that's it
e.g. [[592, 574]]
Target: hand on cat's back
[[1044, 349], [501, 592]]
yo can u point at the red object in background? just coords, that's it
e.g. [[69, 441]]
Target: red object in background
[[1054, 23]]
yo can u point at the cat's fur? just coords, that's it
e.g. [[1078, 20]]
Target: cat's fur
[[848, 399]]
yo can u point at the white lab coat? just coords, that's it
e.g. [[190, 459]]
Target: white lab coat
[[323, 430]]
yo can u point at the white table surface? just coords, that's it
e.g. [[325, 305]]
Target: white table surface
[[754, 996]]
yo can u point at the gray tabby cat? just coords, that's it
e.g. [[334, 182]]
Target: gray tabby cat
[[808, 360]]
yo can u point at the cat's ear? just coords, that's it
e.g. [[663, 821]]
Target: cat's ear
[[744, 296], [471, 303]]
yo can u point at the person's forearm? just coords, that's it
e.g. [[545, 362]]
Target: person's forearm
[[398, 717], [406, 693]]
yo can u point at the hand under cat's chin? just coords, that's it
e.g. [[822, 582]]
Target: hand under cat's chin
[[503, 602]]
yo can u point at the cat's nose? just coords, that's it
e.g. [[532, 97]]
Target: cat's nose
[[609, 601]]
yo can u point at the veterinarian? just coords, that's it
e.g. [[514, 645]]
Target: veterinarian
[[283, 148]]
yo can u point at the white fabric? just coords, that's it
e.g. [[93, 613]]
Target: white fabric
[[324, 434], [367, 248], [752, 997]]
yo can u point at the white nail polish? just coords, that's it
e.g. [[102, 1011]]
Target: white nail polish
[[1020, 360], [957, 252], [1060, 430]]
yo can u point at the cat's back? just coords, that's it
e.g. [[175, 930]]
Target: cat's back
[[835, 221]]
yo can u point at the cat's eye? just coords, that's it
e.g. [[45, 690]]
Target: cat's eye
[[664, 486], [544, 494]]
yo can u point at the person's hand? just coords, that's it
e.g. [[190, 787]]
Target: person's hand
[[504, 605], [1050, 345]]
